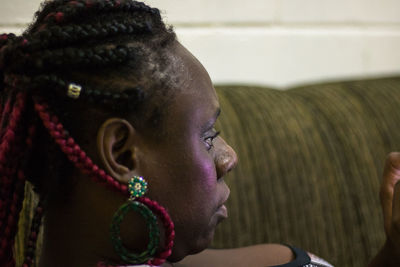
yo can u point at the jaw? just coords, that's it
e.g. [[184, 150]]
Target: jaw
[[203, 242]]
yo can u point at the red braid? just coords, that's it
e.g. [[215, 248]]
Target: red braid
[[12, 177], [76, 155], [73, 151], [5, 114]]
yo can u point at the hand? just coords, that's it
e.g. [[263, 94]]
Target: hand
[[390, 201]]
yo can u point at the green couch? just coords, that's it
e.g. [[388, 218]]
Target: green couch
[[310, 164]]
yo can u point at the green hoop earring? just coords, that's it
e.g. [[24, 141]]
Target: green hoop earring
[[137, 188]]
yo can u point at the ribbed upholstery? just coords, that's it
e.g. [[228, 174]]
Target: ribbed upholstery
[[310, 163]]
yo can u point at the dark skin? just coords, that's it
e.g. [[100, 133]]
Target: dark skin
[[389, 255], [185, 172]]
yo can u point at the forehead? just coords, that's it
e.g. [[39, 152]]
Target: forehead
[[195, 99]]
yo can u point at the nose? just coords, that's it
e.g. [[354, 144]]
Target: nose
[[225, 158]]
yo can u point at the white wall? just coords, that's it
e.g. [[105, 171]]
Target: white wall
[[274, 42]]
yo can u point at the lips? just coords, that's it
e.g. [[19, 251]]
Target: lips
[[222, 211]]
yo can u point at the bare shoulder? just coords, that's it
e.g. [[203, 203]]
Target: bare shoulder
[[258, 255], [254, 256]]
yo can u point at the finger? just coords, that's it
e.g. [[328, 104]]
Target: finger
[[391, 175], [394, 236], [396, 206]]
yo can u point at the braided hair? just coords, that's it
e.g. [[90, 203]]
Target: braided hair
[[67, 63]]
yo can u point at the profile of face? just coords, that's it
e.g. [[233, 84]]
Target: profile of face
[[186, 170]]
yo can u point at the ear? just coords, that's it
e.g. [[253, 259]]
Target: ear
[[116, 147]]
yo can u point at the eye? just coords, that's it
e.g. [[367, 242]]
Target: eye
[[209, 139]]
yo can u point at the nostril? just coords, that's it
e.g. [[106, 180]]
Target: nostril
[[234, 160], [226, 162]]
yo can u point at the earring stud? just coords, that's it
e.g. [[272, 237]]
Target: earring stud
[[137, 187]]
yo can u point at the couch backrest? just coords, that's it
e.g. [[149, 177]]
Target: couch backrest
[[310, 163]]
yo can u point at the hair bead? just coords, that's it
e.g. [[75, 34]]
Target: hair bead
[[74, 90]]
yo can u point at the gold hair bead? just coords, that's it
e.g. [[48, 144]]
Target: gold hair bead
[[74, 90]]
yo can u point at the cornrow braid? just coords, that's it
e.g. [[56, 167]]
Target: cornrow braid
[[72, 57], [128, 99], [73, 9], [50, 37]]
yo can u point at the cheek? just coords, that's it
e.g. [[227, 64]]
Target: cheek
[[204, 171], [181, 173], [194, 163], [201, 189], [181, 170], [195, 177]]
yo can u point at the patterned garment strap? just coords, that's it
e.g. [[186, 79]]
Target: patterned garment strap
[[317, 262], [305, 259]]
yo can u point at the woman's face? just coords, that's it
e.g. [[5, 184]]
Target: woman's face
[[186, 169]]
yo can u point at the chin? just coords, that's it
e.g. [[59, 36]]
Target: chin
[[179, 252]]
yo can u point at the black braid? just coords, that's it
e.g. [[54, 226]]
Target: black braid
[[128, 99], [72, 10], [77, 58], [72, 34]]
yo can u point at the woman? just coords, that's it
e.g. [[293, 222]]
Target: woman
[[103, 89]]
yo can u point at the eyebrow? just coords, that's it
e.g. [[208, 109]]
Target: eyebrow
[[212, 121]]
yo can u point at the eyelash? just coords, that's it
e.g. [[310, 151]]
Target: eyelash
[[210, 139]]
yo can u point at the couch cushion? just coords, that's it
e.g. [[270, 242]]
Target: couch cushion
[[310, 163]]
